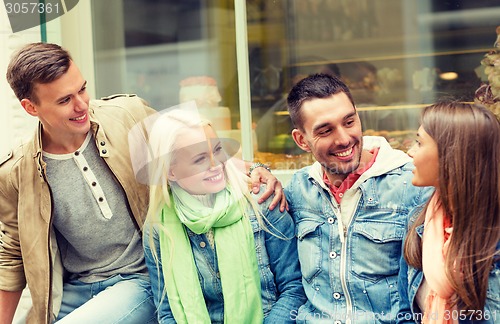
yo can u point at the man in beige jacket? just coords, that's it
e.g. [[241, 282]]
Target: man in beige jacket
[[71, 209]]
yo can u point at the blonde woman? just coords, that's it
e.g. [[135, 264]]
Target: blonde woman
[[214, 255]]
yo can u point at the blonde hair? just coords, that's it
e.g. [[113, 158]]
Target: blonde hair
[[162, 138]]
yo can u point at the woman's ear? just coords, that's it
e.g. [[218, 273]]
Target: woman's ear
[[29, 107], [299, 139], [171, 175]]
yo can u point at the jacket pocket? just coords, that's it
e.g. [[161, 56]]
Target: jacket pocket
[[492, 308], [309, 247], [376, 249]]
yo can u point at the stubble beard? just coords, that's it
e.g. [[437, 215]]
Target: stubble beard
[[339, 168]]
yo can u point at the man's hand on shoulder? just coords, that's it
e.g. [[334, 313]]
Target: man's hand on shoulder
[[261, 174]]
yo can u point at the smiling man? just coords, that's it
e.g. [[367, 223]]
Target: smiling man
[[350, 208], [71, 210]]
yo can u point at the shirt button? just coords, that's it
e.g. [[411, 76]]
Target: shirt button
[[94, 184], [104, 151], [337, 322], [341, 195], [103, 143], [101, 199], [331, 220], [203, 244], [336, 295], [333, 255], [85, 168], [77, 153]]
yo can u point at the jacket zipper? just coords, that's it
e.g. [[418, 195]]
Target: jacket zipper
[[51, 270], [343, 277], [343, 267], [343, 237]]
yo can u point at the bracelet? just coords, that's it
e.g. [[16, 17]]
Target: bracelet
[[258, 165]]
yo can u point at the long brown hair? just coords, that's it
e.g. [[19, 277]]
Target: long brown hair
[[468, 142]]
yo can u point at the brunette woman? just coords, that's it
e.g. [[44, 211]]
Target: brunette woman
[[452, 268]]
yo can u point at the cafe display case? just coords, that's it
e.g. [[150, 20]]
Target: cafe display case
[[395, 56]]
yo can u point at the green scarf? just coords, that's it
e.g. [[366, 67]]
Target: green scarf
[[236, 257]]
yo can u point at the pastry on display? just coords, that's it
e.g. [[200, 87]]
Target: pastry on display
[[203, 90], [401, 140], [279, 161]]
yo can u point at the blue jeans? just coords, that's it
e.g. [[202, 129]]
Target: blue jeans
[[119, 299]]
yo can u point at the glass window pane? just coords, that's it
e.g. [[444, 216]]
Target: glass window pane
[[160, 48], [396, 57]]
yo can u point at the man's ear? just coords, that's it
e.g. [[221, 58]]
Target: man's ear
[[29, 107], [299, 139]]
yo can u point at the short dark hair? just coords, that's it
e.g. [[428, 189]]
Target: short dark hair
[[36, 63], [315, 86]]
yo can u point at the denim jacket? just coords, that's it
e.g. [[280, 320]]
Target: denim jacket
[[282, 291], [349, 253], [411, 278]]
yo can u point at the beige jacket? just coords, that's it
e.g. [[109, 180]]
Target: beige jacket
[[28, 248]]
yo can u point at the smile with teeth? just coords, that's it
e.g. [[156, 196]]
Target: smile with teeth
[[79, 118], [345, 153], [216, 178]]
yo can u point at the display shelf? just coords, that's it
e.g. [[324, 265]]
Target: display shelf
[[396, 47], [265, 33], [387, 57], [393, 67]]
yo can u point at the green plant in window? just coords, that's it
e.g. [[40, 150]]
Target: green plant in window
[[489, 94]]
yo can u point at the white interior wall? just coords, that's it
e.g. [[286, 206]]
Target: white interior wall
[[73, 31], [15, 123]]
